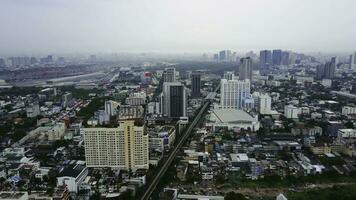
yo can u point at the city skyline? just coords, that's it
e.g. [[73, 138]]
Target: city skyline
[[40, 26]]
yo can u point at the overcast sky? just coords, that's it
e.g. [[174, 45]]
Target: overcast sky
[[93, 26]]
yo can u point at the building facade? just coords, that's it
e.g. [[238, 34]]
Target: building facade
[[235, 93], [196, 85], [124, 147], [245, 69], [175, 100]]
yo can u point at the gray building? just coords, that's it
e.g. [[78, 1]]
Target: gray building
[[265, 59], [175, 100], [277, 57], [196, 85], [245, 69], [285, 58]]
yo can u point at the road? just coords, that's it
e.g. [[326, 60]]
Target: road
[[152, 185]]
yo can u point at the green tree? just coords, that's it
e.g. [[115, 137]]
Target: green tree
[[234, 196]]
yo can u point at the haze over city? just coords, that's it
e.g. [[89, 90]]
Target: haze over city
[[88, 26], [177, 99]]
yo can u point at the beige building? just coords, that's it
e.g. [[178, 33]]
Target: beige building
[[124, 147]]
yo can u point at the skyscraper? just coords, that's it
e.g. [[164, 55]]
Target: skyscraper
[[285, 58], [353, 61], [320, 71], [277, 57], [234, 93], [2, 62], [245, 69], [169, 75], [175, 100], [225, 56], [265, 59], [124, 147], [222, 56], [326, 71], [196, 85], [329, 70]]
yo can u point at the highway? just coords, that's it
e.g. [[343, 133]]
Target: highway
[[154, 182]]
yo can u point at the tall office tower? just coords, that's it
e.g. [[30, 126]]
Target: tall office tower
[[320, 71], [353, 61], [335, 61], [229, 75], [196, 85], [265, 59], [2, 62], [234, 93], [222, 56], [245, 69], [228, 55], [285, 58], [111, 107], [175, 100], [169, 75], [277, 57], [329, 72], [124, 147]]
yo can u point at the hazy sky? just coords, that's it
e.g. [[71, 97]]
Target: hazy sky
[[92, 26]]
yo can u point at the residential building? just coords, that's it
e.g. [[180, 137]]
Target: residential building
[[229, 75], [66, 98], [111, 107], [348, 110], [169, 75], [33, 110], [235, 94], [124, 147], [130, 112], [135, 99], [262, 102], [291, 112]]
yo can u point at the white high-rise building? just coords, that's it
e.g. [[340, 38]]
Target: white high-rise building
[[235, 94], [229, 75], [137, 98], [111, 107], [169, 75], [348, 110], [291, 112], [262, 102], [124, 147], [33, 110]]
